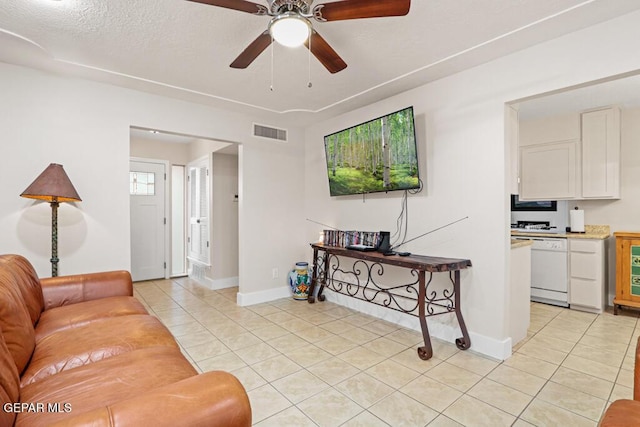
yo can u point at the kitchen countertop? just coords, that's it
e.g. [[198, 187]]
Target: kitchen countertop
[[591, 232], [520, 243]]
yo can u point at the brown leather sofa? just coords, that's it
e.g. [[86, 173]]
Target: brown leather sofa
[[81, 350], [625, 412]]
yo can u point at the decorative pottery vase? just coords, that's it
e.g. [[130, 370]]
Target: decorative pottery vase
[[300, 280]]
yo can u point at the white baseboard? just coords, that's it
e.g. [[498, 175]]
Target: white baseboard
[[251, 298], [444, 327], [227, 282], [216, 284]]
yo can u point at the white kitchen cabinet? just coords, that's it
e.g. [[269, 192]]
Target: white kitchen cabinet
[[575, 156], [601, 154], [548, 171], [587, 274], [562, 127]]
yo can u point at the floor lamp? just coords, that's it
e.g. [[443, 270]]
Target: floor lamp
[[53, 185]]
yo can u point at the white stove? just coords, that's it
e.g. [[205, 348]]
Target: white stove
[[534, 227], [549, 263]]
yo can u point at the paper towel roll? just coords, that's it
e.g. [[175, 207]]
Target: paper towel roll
[[576, 220]]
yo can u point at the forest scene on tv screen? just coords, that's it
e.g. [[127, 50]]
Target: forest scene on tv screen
[[379, 155]]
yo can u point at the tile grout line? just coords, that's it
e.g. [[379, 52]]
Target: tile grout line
[[286, 308], [555, 371]]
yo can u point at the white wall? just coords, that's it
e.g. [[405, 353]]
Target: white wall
[[175, 154], [460, 125], [224, 217], [274, 176], [85, 126]]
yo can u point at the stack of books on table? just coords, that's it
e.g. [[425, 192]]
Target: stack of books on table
[[343, 239]]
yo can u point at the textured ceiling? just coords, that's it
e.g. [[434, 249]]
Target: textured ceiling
[[183, 49]]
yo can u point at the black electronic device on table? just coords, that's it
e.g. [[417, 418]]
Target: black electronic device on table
[[385, 242], [362, 248], [389, 253]]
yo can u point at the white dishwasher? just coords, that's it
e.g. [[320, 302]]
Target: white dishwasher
[[549, 270]]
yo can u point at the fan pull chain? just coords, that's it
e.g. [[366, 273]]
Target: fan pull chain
[[272, 47], [309, 84]]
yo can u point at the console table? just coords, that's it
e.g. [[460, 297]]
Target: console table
[[359, 281]]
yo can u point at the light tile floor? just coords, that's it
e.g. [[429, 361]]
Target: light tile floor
[[325, 365]]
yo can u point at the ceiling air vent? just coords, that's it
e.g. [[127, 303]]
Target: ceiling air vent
[[269, 132]]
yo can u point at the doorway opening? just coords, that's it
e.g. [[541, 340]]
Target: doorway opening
[[179, 152]]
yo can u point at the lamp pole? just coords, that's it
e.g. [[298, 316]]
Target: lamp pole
[[54, 237], [53, 185]]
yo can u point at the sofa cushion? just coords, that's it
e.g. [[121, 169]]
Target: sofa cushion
[[101, 339], [15, 322], [103, 383], [83, 313], [27, 282], [211, 399], [9, 383], [67, 290]]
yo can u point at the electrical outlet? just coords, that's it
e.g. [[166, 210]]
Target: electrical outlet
[[274, 273]]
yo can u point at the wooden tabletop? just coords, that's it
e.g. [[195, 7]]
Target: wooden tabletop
[[417, 262]]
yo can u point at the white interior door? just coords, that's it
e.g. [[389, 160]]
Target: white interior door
[[146, 189], [178, 227], [198, 239]]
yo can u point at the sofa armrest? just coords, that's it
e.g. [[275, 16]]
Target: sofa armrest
[[636, 374], [65, 290], [213, 399], [621, 413]]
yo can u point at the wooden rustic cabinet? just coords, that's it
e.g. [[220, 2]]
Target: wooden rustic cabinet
[[627, 270]]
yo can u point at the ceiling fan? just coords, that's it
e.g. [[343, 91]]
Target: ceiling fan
[[295, 15]]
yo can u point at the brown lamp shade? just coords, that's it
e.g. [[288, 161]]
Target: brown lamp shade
[[52, 185]]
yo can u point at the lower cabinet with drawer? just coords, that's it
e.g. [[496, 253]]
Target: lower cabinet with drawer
[[587, 275]]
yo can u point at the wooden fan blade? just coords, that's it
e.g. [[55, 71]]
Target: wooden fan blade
[[241, 5], [356, 9], [252, 51], [325, 53]]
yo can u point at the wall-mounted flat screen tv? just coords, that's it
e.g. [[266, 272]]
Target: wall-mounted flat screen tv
[[378, 155]]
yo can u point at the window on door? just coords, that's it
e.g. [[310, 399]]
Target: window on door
[[142, 183]]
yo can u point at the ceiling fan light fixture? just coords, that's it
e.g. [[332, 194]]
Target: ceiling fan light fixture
[[290, 29]]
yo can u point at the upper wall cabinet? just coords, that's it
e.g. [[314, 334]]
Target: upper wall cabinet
[[573, 156], [558, 161], [601, 154], [549, 129]]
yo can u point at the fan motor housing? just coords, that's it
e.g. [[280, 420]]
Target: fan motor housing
[[280, 6]]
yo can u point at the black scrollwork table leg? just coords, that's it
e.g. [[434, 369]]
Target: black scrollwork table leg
[[325, 275], [314, 277], [463, 342], [318, 277], [425, 352]]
